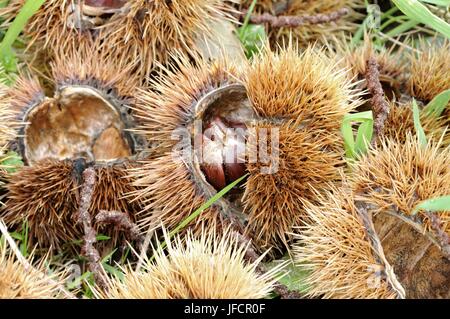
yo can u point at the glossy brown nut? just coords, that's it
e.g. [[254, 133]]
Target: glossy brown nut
[[215, 175], [223, 169], [233, 171]]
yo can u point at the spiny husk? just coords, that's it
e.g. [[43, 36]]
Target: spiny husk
[[312, 95], [7, 133], [430, 75], [304, 96], [6, 117], [363, 240], [398, 176], [197, 268], [26, 91], [91, 63], [147, 31], [307, 34], [83, 65], [430, 70], [3, 172], [86, 63], [48, 25], [400, 123], [392, 64], [161, 112], [333, 248], [314, 92], [47, 196], [274, 202], [20, 282], [169, 105], [166, 27], [46, 192], [169, 193], [2, 156]]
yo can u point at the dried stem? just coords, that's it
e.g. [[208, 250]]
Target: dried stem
[[89, 250], [120, 221], [28, 267], [372, 237], [284, 292], [296, 21], [144, 247], [442, 237], [380, 106]]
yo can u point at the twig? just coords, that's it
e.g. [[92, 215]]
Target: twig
[[28, 267], [380, 106], [296, 21], [372, 237], [120, 221], [284, 292], [89, 250], [442, 237]]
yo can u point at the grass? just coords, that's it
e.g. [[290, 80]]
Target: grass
[[252, 36], [11, 162], [417, 11], [200, 210], [434, 205], [7, 56], [357, 146], [418, 126], [437, 106]]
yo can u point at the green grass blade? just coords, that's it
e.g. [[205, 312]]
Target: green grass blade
[[16, 236], [366, 25], [433, 205], [201, 209], [357, 37], [101, 237], [293, 276], [249, 13], [419, 12], [108, 257], [24, 244], [252, 36], [418, 126], [437, 106], [402, 28], [364, 136], [6, 54], [11, 162], [78, 281], [205, 206], [398, 20], [389, 13], [113, 271], [442, 3], [364, 133], [361, 116], [349, 143]]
